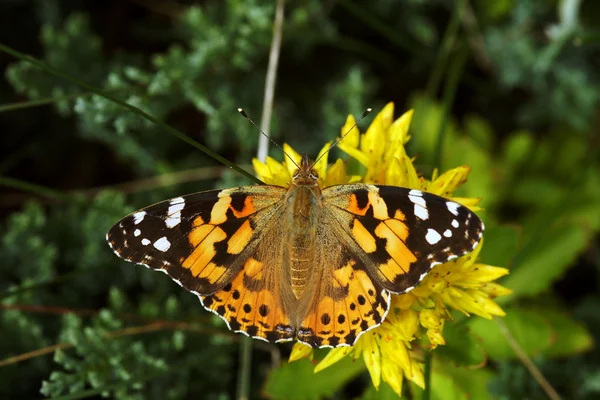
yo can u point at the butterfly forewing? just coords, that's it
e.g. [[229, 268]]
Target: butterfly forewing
[[399, 234], [201, 239]]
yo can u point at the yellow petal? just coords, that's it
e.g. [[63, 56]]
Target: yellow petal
[[332, 357], [407, 324], [372, 357], [490, 306], [350, 132], [473, 304], [449, 181], [321, 165], [292, 159], [453, 302], [261, 169], [355, 179], [429, 319], [373, 142], [403, 301], [436, 338], [386, 115], [416, 374], [392, 374], [395, 175], [468, 260], [469, 202], [394, 351], [299, 351], [336, 174], [414, 181], [398, 131], [279, 175], [354, 153], [486, 273], [495, 289]]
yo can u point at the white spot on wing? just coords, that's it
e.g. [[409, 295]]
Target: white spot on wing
[[420, 206], [138, 217], [174, 212], [421, 212], [452, 207], [177, 200], [145, 242], [448, 233], [137, 233], [432, 236], [162, 244], [455, 223]]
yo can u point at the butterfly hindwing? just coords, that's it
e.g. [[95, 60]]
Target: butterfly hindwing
[[346, 302], [257, 302], [400, 234]]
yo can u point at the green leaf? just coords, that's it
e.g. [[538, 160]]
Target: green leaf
[[529, 329], [385, 392], [443, 387], [545, 330], [569, 336], [500, 245], [517, 149], [462, 347], [472, 382], [297, 381], [480, 130], [464, 151], [546, 260]]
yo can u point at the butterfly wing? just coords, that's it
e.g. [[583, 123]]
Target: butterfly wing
[[375, 240], [399, 234], [207, 242], [342, 301]]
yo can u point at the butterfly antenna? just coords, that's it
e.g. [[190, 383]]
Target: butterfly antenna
[[241, 111], [367, 112]]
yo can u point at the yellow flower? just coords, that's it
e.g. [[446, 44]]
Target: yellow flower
[[391, 351]]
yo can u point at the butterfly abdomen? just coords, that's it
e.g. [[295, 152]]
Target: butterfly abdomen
[[303, 218]]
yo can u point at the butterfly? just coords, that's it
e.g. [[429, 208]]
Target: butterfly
[[304, 262]]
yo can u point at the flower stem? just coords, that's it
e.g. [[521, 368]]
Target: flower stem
[[527, 362], [243, 381], [427, 376], [243, 387], [265, 121]]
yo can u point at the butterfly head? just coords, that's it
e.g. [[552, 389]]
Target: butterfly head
[[306, 175]]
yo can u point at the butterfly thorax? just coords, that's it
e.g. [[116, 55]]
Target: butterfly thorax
[[304, 198]]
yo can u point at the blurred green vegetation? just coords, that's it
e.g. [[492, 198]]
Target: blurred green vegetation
[[509, 88]]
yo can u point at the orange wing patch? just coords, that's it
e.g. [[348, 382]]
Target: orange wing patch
[[249, 307], [349, 305], [227, 233], [379, 230]]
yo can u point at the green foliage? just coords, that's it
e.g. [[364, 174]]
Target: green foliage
[[462, 349], [100, 361], [524, 117], [325, 383]]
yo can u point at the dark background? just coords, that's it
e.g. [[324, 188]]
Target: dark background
[[526, 70]]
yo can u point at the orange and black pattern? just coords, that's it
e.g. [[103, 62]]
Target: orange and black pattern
[[306, 263]]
